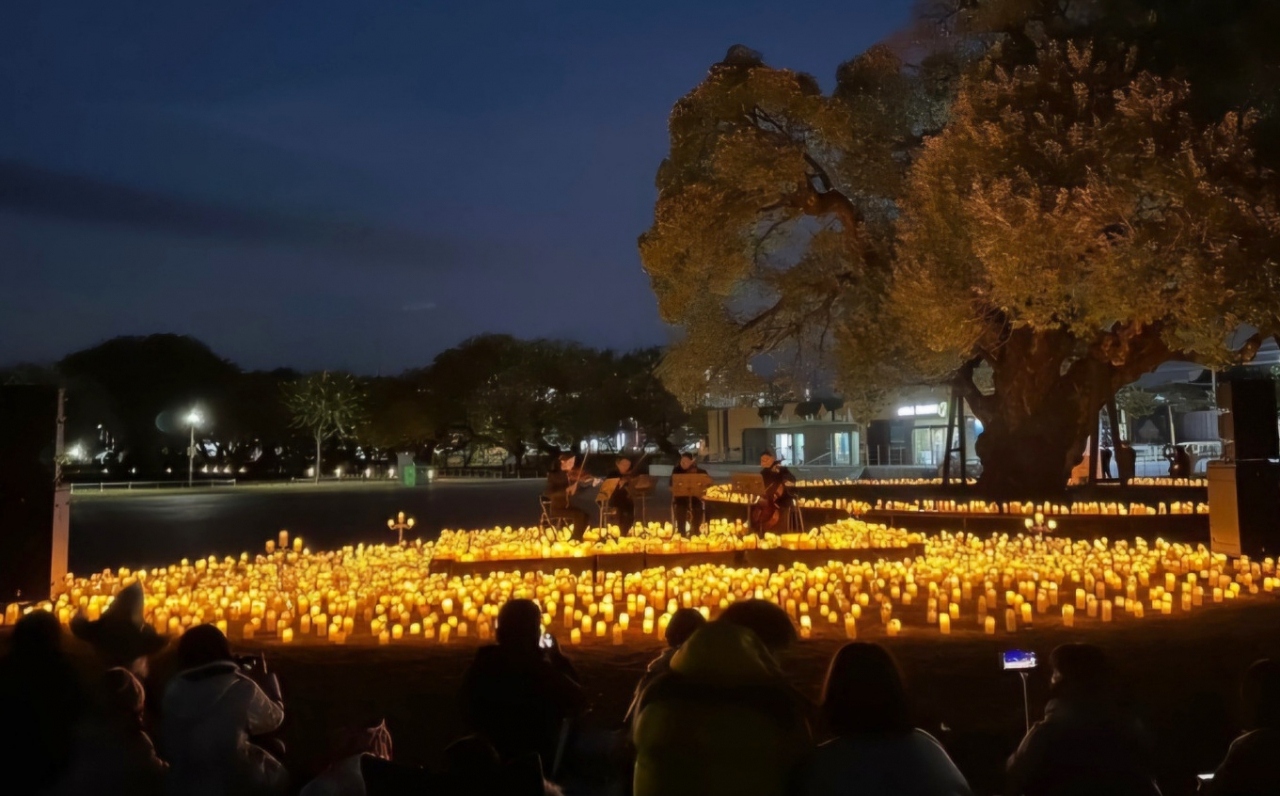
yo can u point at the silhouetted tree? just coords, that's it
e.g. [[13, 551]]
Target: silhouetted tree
[[326, 405]]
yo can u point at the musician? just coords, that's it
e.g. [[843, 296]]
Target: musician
[[690, 507], [620, 501], [562, 485], [777, 478]]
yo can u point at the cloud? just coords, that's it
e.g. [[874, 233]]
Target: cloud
[[418, 306], [30, 190]]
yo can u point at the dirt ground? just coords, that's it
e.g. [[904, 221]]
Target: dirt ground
[[1179, 673]]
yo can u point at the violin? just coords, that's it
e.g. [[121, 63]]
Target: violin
[[577, 477]]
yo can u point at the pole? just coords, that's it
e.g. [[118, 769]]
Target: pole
[[191, 454], [1026, 705]]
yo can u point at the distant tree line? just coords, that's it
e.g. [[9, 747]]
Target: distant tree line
[[128, 400]]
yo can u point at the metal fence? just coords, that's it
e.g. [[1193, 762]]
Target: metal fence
[[130, 486]]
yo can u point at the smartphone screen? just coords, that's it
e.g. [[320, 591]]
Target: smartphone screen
[[1018, 659], [546, 641]]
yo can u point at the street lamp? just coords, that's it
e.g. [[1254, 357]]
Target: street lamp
[[194, 419]]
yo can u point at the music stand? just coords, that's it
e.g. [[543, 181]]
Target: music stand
[[607, 488], [691, 485], [748, 484], [641, 489]]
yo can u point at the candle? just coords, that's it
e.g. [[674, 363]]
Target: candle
[[575, 636], [944, 624], [1106, 610], [895, 627], [1010, 621], [1026, 613], [989, 625], [286, 635], [1068, 615]]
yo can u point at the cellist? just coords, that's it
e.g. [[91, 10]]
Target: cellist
[[778, 481]]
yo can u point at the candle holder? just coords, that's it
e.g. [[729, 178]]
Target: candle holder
[[400, 524]]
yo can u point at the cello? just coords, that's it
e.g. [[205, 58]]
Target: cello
[[766, 513]]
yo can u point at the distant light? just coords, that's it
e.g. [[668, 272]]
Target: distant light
[[368, 472], [392, 472], [76, 452], [168, 469], [338, 472], [194, 418], [311, 471]]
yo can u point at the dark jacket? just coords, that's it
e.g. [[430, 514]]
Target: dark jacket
[[1083, 748], [518, 699]]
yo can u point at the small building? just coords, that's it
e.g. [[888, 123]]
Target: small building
[[911, 433]]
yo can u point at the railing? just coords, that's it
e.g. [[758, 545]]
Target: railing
[[892, 455], [129, 486]]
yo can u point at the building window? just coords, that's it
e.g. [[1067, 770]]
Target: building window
[[789, 447], [841, 448]]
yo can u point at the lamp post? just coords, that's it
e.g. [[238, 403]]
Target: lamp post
[[193, 419]]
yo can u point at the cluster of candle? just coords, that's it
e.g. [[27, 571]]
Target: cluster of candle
[[1165, 480], [508, 544], [874, 481], [725, 493], [1028, 508], [386, 594]]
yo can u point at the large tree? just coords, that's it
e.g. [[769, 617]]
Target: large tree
[[1070, 227]]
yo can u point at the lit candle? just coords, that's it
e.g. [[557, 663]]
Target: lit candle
[[944, 624], [1068, 615], [989, 625]]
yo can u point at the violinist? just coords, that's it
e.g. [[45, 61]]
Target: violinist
[[620, 501], [562, 485], [689, 507]]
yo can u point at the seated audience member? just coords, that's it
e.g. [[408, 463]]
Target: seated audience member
[[1085, 744], [120, 637], [1250, 765], [473, 768], [721, 721], [112, 753], [211, 710], [876, 751], [518, 694], [41, 699], [768, 621], [350, 751], [683, 624]]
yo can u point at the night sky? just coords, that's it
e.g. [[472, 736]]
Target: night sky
[[354, 185]]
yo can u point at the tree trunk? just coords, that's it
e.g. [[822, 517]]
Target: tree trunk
[[319, 439], [1036, 423]]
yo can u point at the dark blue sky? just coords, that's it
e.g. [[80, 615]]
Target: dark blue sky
[[354, 185]]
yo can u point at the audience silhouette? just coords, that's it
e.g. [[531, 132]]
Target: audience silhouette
[[521, 695], [712, 714], [875, 749], [722, 721], [1086, 744], [1249, 768], [41, 698], [211, 710]]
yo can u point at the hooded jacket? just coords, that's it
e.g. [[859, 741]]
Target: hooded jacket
[[722, 721], [209, 713]]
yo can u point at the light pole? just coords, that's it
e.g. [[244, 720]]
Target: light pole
[[193, 419]]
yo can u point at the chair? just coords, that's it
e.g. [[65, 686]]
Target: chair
[[549, 520]]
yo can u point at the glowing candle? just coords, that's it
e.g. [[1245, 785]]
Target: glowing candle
[[286, 635], [895, 627], [1026, 613], [1068, 616], [1010, 621], [575, 636], [989, 625], [850, 626], [944, 624]]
